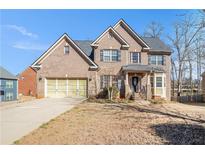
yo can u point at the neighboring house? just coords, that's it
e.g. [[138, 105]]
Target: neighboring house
[[8, 86], [203, 85], [119, 56], [27, 82]]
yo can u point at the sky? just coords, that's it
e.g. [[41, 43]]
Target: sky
[[26, 34]]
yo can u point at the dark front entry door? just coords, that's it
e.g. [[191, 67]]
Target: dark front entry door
[[135, 83]]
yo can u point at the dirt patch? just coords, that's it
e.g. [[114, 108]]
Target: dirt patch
[[114, 123]]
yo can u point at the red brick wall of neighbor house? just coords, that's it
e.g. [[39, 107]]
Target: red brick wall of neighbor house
[[27, 82]]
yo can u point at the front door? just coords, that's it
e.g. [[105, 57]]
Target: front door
[[135, 83]]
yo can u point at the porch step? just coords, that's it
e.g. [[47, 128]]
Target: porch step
[[136, 96]]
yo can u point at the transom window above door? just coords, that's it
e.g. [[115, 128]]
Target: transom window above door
[[135, 57], [110, 55]]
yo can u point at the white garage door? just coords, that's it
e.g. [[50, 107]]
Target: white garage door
[[66, 88]]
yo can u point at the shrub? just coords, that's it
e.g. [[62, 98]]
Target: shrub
[[115, 92], [103, 93]]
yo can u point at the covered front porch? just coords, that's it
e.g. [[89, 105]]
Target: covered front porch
[[144, 81]]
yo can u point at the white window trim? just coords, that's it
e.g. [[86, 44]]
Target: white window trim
[[110, 54], [131, 57], [157, 62], [68, 49], [162, 75]]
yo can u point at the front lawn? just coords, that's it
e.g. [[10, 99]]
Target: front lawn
[[123, 123]]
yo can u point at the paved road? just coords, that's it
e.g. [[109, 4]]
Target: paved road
[[19, 119]]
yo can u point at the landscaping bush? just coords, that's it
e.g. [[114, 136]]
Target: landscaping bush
[[115, 92], [103, 94]]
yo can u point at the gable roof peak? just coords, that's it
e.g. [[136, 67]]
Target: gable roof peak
[[110, 28], [47, 52], [132, 32]]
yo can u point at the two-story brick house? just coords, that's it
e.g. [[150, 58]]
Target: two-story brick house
[[119, 56]]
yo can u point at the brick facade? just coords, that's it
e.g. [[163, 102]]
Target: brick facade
[[56, 64], [27, 82]]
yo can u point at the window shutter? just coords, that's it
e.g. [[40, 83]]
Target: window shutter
[[101, 55], [139, 57], [119, 55], [164, 60]]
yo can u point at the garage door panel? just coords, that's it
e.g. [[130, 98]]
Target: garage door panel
[[66, 88], [82, 87], [72, 88], [61, 88], [51, 88]]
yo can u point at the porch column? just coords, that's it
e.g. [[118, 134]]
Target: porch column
[[126, 84], [154, 85], [126, 79], [148, 91]]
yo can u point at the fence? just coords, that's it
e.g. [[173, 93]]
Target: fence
[[189, 98]]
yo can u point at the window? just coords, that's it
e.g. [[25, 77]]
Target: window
[[104, 81], [66, 49], [158, 81], [9, 96], [109, 80], [135, 57], [9, 84], [110, 55], [1, 92], [153, 60], [110, 35], [156, 59], [115, 55], [158, 85], [160, 60]]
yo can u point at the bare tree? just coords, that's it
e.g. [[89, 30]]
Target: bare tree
[[154, 29], [186, 32]]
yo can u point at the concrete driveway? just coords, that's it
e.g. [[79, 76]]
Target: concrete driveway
[[19, 119]]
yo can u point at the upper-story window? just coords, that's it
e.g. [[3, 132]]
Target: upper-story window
[[110, 55], [9, 84], [135, 57], [66, 49], [156, 59]]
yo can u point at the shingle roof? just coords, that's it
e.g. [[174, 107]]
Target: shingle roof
[[139, 67], [156, 44], [5, 74], [85, 46]]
